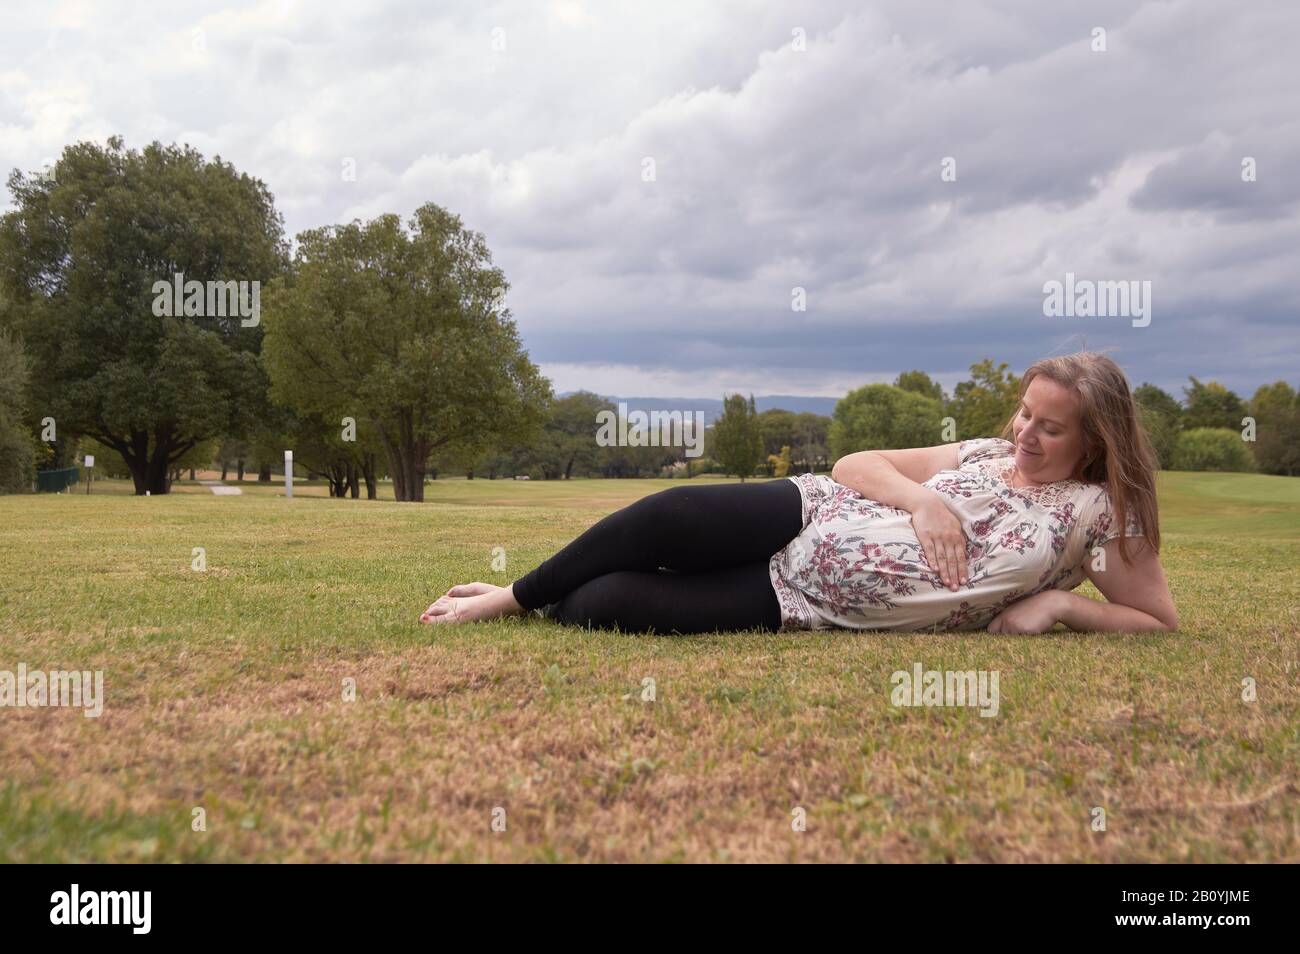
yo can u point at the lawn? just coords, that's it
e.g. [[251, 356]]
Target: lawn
[[225, 691]]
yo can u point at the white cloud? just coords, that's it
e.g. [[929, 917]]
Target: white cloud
[[775, 167]]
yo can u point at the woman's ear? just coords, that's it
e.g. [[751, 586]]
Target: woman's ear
[[1092, 458], [1086, 457]]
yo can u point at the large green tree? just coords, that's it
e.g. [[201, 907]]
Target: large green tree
[[884, 417], [80, 253], [403, 330], [16, 447], [921, 383], [1276, 409], [983, 404], [1210, 404], [778, 429], [569, 440], [1162, 416], [811, 449], [738, 436]]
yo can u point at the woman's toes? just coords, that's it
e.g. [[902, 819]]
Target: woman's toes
[[439, 610]]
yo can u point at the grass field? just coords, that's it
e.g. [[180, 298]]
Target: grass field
[[225, 692]]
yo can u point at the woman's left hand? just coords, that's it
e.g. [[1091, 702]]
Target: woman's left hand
[[1034, 614]]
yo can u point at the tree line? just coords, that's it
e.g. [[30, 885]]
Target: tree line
[[1211, 428], [383, 350]]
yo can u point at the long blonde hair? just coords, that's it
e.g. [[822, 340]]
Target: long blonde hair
[[1116, 449]]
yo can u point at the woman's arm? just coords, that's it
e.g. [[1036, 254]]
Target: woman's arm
[[1137, 599], [894, 478], [1137, 593]]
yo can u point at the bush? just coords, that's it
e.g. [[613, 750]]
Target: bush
[[1212, 448], [17, 459]]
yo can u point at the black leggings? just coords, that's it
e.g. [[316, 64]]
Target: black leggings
[[687, 560]]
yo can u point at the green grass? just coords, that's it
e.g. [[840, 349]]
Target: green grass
[[225, 692]]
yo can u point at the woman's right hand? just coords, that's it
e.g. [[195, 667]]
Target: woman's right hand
[[942, 541]]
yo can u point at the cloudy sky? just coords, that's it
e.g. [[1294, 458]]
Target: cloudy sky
[[656, 179]]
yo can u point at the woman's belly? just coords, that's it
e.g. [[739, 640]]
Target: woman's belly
[[858, 562]]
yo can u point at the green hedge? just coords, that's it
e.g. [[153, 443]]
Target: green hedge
[[1212, 448]]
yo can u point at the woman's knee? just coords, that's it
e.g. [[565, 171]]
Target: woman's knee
[[590, 605], [654, 519], [665, 502]]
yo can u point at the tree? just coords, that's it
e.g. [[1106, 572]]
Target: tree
[[737, 436], [1161, 415], [406, 332], [884, 417], [811, 450], [983, 405], [1212, 405], [319, 447], [569, 437], [237, 451], [80, 254], [1276, 410], [778, 429], [17, 468], [200, 455], [921, 383], [109, 463]]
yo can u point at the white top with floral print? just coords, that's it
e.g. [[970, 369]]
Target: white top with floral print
[[857, 562]]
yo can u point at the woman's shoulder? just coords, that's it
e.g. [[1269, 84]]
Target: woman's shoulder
[[1098, 516]]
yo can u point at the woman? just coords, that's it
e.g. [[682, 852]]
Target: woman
[[988, 533]]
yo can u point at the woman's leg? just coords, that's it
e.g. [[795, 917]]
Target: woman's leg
[[693, 529], [635, 601]]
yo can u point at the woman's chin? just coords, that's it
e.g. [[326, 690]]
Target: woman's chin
[[1028, 464]]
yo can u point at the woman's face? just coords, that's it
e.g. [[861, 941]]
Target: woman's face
[[1048, 432]]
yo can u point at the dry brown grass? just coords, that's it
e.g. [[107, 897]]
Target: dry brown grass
[[225, 692]]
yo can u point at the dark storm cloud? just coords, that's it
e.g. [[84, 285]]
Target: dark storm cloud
[[775, 167]]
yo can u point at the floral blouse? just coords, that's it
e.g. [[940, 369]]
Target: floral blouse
[[857, 562]]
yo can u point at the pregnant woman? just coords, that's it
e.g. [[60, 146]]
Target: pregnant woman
[[990, 533]]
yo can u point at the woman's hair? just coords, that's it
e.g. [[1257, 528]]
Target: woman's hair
[[1116, 449]]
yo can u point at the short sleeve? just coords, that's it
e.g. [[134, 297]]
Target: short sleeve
[[1102, 527], [983, 448]]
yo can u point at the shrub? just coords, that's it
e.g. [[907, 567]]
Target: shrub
[[1212, 448]]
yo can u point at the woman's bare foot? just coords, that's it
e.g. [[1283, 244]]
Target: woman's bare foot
[[471, 603]]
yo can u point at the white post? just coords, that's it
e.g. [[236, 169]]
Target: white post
[[288, 473]]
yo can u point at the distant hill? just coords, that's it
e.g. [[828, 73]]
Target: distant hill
[[712, 407]]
